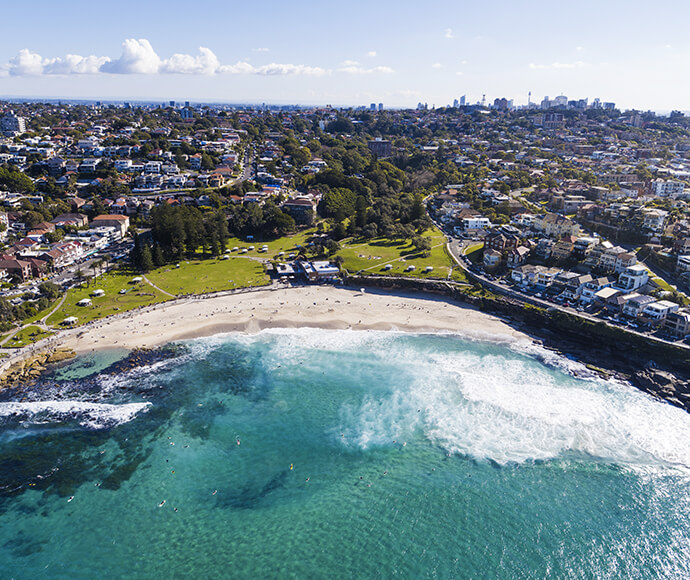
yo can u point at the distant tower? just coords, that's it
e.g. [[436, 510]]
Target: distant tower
[[483, 100], [529, 98]]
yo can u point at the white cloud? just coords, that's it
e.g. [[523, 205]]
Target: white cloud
[[355, 69], [449, 33], [263, 49], [138, 57], [206, 63], [26, 63], [350, 63], [371, 53], [557, 65], [437, 65], [579, 48], [459, 73], [74, 64], [289, 69], [238, 68]]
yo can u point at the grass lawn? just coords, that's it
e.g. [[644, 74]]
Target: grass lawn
[[287, 244], [36, 317], [202, 276], [371, 256], [661, 283], [474, 252], [140, 294], [28, 335]]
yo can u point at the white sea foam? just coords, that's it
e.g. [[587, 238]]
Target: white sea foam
[[524, 403], [506, 409], [91, 415]]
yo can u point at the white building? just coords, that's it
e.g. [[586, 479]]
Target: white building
[[668, 188], [12, 125], [654, 219], [633, 278], [475, 223], [657, 311]]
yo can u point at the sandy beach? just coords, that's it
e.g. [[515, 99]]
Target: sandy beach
[[308, 306]]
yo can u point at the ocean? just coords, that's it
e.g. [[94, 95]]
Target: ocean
[[314, 453]]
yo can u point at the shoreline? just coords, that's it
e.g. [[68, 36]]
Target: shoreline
[[251, 311], [325, 307]]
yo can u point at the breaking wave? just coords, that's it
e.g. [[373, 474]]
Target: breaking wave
[[89, 415]]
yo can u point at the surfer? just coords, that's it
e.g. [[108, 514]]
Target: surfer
[[161, 504], [71, 497]]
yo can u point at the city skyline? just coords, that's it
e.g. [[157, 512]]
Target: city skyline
[[367, 53]]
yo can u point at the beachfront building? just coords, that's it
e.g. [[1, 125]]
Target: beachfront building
[[632, 278], [635, 305], [119, 222], [678, 322], [656, 312]]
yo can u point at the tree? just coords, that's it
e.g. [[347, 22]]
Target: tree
[[157, 256], [146, 260], [422, 245]]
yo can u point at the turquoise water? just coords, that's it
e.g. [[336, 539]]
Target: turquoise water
[[340, 454]]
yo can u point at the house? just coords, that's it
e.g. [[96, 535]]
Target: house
[[517, 256], [524, 275], [678, 322], [635, 305], [683, 263], [589, 289], [529, 275], [584, 245], [656, 312], [18, 268], [572, 284], [55, 166], [492, 258], [544, 248], [654, 219], [475, 223], [300, 208], [608, 296], [120, 222], [555, 225], [562, 249], [76, 220], [501, 242], [632, 278], [63, 255]]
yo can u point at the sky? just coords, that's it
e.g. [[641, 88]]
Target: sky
[[348, 53]]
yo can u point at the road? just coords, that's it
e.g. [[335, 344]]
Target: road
[[455, 248]]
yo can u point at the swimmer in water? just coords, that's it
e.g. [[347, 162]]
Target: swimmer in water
[[215, 492], [238, 440], [161, 504]]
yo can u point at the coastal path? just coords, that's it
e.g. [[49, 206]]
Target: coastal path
[[40, 323], [157, 288]]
